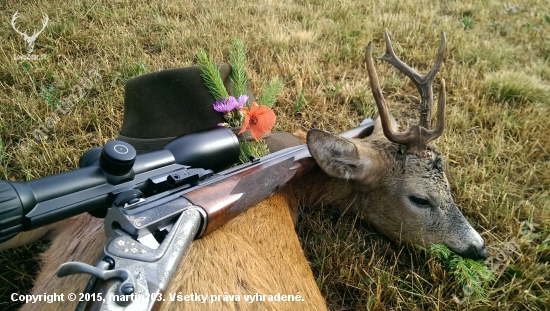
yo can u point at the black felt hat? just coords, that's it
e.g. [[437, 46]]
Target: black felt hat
[[163, 105]]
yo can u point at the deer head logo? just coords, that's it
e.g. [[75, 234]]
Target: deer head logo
[[29, 39]]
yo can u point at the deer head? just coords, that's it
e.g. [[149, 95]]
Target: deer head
[[29, 39], [395, 181]]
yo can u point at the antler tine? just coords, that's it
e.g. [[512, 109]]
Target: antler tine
[[13, 19], [439, 58], [46, 19], [400, 138], [440, 125], [424, 83], [390, 57]]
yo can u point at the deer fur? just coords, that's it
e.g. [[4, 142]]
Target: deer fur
[[258, 252]]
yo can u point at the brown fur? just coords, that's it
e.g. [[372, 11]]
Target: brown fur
[[258, 252]]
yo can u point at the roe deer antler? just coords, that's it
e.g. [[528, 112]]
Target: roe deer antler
[[417, 137]]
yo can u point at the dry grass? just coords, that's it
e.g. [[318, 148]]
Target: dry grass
[[497, 147]]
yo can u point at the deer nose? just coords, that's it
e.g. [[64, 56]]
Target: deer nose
[[476, 252]]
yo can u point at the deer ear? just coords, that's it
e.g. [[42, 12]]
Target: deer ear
[[336, 155]]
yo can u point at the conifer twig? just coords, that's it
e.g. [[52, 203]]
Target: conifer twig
[[211, 76], [237, 60], [271, 92]]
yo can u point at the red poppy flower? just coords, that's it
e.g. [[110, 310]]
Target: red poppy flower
[[260, 120]]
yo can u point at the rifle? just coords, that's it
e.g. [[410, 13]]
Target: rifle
[[147, 236]]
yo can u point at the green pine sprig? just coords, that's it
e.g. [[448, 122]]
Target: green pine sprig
[[470, 273], [211, 76], [271, 92], [237, 60], [252, 148]]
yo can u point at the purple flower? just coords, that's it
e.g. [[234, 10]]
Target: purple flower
[[240, 101], [225, 105]]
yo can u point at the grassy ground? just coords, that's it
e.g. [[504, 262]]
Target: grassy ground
[[497, 140]]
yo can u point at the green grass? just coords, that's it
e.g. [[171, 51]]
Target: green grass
[[514, 87], [496, 140]]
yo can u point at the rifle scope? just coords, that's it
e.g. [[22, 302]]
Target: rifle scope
[[103, 173]]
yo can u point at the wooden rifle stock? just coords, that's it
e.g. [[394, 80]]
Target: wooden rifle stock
[[227, 199]]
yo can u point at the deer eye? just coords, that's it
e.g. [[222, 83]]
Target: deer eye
[[420, 201]]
